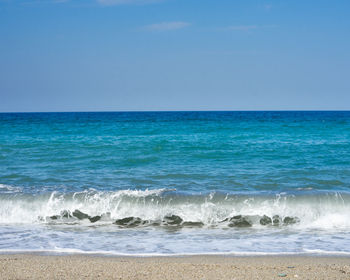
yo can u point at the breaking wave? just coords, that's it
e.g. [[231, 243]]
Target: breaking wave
[[170, 208]]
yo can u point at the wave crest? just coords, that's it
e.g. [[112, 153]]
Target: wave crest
[[152, 207]]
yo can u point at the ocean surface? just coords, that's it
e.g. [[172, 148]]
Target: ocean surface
[[175, 183]]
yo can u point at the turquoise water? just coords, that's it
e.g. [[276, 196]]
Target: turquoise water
[[191, 182]]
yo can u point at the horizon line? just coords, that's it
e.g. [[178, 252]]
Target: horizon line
[[174, 111]]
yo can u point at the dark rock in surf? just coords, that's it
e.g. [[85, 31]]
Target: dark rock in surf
[[265, 220], [172, 220], [94, 219], [124, 221], [80, 215], [192, 224], [239, 221], [155, 224], [276, 220], [129, 222], [55, 217], [290, 220], [66, 214]]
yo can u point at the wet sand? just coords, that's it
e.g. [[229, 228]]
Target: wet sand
[[193, 267]]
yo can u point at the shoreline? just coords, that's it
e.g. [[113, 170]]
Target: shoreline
[[106, 254], [39, 266]]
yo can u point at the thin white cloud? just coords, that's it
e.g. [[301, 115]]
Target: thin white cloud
[[165, 26], [126, 2]]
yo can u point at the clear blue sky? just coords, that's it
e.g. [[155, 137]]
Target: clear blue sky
[[93, 55]]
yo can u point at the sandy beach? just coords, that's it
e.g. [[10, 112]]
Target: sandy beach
[[194, 267]]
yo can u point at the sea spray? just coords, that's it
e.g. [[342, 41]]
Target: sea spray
[[323, 210]]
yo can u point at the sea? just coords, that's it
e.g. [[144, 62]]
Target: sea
[[175, 183]]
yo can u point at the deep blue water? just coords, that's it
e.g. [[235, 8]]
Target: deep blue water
[[202, 167]]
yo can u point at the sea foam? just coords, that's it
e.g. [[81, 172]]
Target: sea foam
[[322, 210]]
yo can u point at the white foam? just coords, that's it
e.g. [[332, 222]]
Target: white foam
[[326, 252], [9, 189], [327, 212], [72, 251]]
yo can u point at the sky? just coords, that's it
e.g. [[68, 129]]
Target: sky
[[151, 55]]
